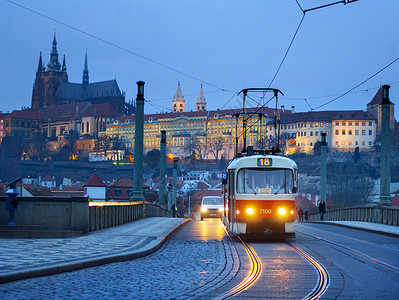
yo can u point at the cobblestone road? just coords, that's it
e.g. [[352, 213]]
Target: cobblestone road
[[180, 269]]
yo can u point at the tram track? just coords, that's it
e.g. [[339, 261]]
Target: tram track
[[253, 275], [323, 277], [358, 253]]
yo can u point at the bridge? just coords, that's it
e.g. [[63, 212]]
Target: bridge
[[160, 257]]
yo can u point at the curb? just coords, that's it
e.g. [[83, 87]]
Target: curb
[[356, 228], [78, 265]]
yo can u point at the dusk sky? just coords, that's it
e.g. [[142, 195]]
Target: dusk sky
[[225, 45]]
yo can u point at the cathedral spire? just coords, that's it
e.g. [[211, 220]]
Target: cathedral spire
[[54, 64], [40, 66], [85, 78], [64, 68]]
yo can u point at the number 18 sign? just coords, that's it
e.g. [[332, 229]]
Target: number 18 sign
[[264, 162]]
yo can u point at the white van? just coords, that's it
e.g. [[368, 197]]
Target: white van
[[211, 207]]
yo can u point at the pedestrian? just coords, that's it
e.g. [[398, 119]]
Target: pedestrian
[[306, 214], [174, 210], [322, 210], [300, 214]]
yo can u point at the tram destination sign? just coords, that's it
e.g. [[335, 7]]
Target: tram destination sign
[[264, 162]]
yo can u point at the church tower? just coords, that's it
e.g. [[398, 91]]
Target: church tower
[[201, 103], [178, 103], [47, 81]]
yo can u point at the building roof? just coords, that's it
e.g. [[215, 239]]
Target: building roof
[[66, 111], [95, 181], [97, 110], [48, 178], [26, 114], [226, 113], [80, 91], [377, 99], [325, 116], [67, 191], [123, 183]]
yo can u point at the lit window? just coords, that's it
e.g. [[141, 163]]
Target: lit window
[[349, 123], [363, 123], [336, 143], [356, 123], [349, 143], [336, 132], [349, 132], [321, 124], [343, 143], [343, 132], [343, 123], [336, 123], [363, 143], [317, 124]]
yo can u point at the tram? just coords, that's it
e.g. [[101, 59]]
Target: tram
[[259, 190]]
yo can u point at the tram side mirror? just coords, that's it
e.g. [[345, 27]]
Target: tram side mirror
[[224, 178], [294, 190]]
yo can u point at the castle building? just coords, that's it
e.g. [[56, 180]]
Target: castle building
[[52, 88]]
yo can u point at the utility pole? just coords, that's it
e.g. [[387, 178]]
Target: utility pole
[[162, 170], [385, 178], [323, 168], [138, 146]]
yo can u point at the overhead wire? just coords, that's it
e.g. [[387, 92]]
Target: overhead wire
[[116, 45]]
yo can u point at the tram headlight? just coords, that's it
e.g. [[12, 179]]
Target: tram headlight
[[220, 208], [237, 212], [204, 209], [281, 211], [291, 211], [249, 211]]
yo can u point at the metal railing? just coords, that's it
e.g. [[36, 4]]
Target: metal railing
[[108, 214], [388, 215]]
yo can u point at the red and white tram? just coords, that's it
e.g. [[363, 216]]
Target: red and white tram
[[259, 195]]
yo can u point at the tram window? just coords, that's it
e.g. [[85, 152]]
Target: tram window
[[265, 181]]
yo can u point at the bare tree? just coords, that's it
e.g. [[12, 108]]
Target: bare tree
[[103, 144], [215, 146], [349, 190], [199, 148]]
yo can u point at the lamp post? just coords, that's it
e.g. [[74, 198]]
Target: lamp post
[[174, 183], [137, 194], [162, 170], [385, 177], [323, 168]]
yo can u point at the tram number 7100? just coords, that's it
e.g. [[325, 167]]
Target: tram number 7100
[[265, 211], [264, 162]]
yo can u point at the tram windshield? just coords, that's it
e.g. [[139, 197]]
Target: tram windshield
[[265, 181]]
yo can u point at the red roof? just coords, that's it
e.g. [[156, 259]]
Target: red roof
[[126, 182], [95, 181], [26, 114], [198, 114], [48, 178], [103, 109]]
